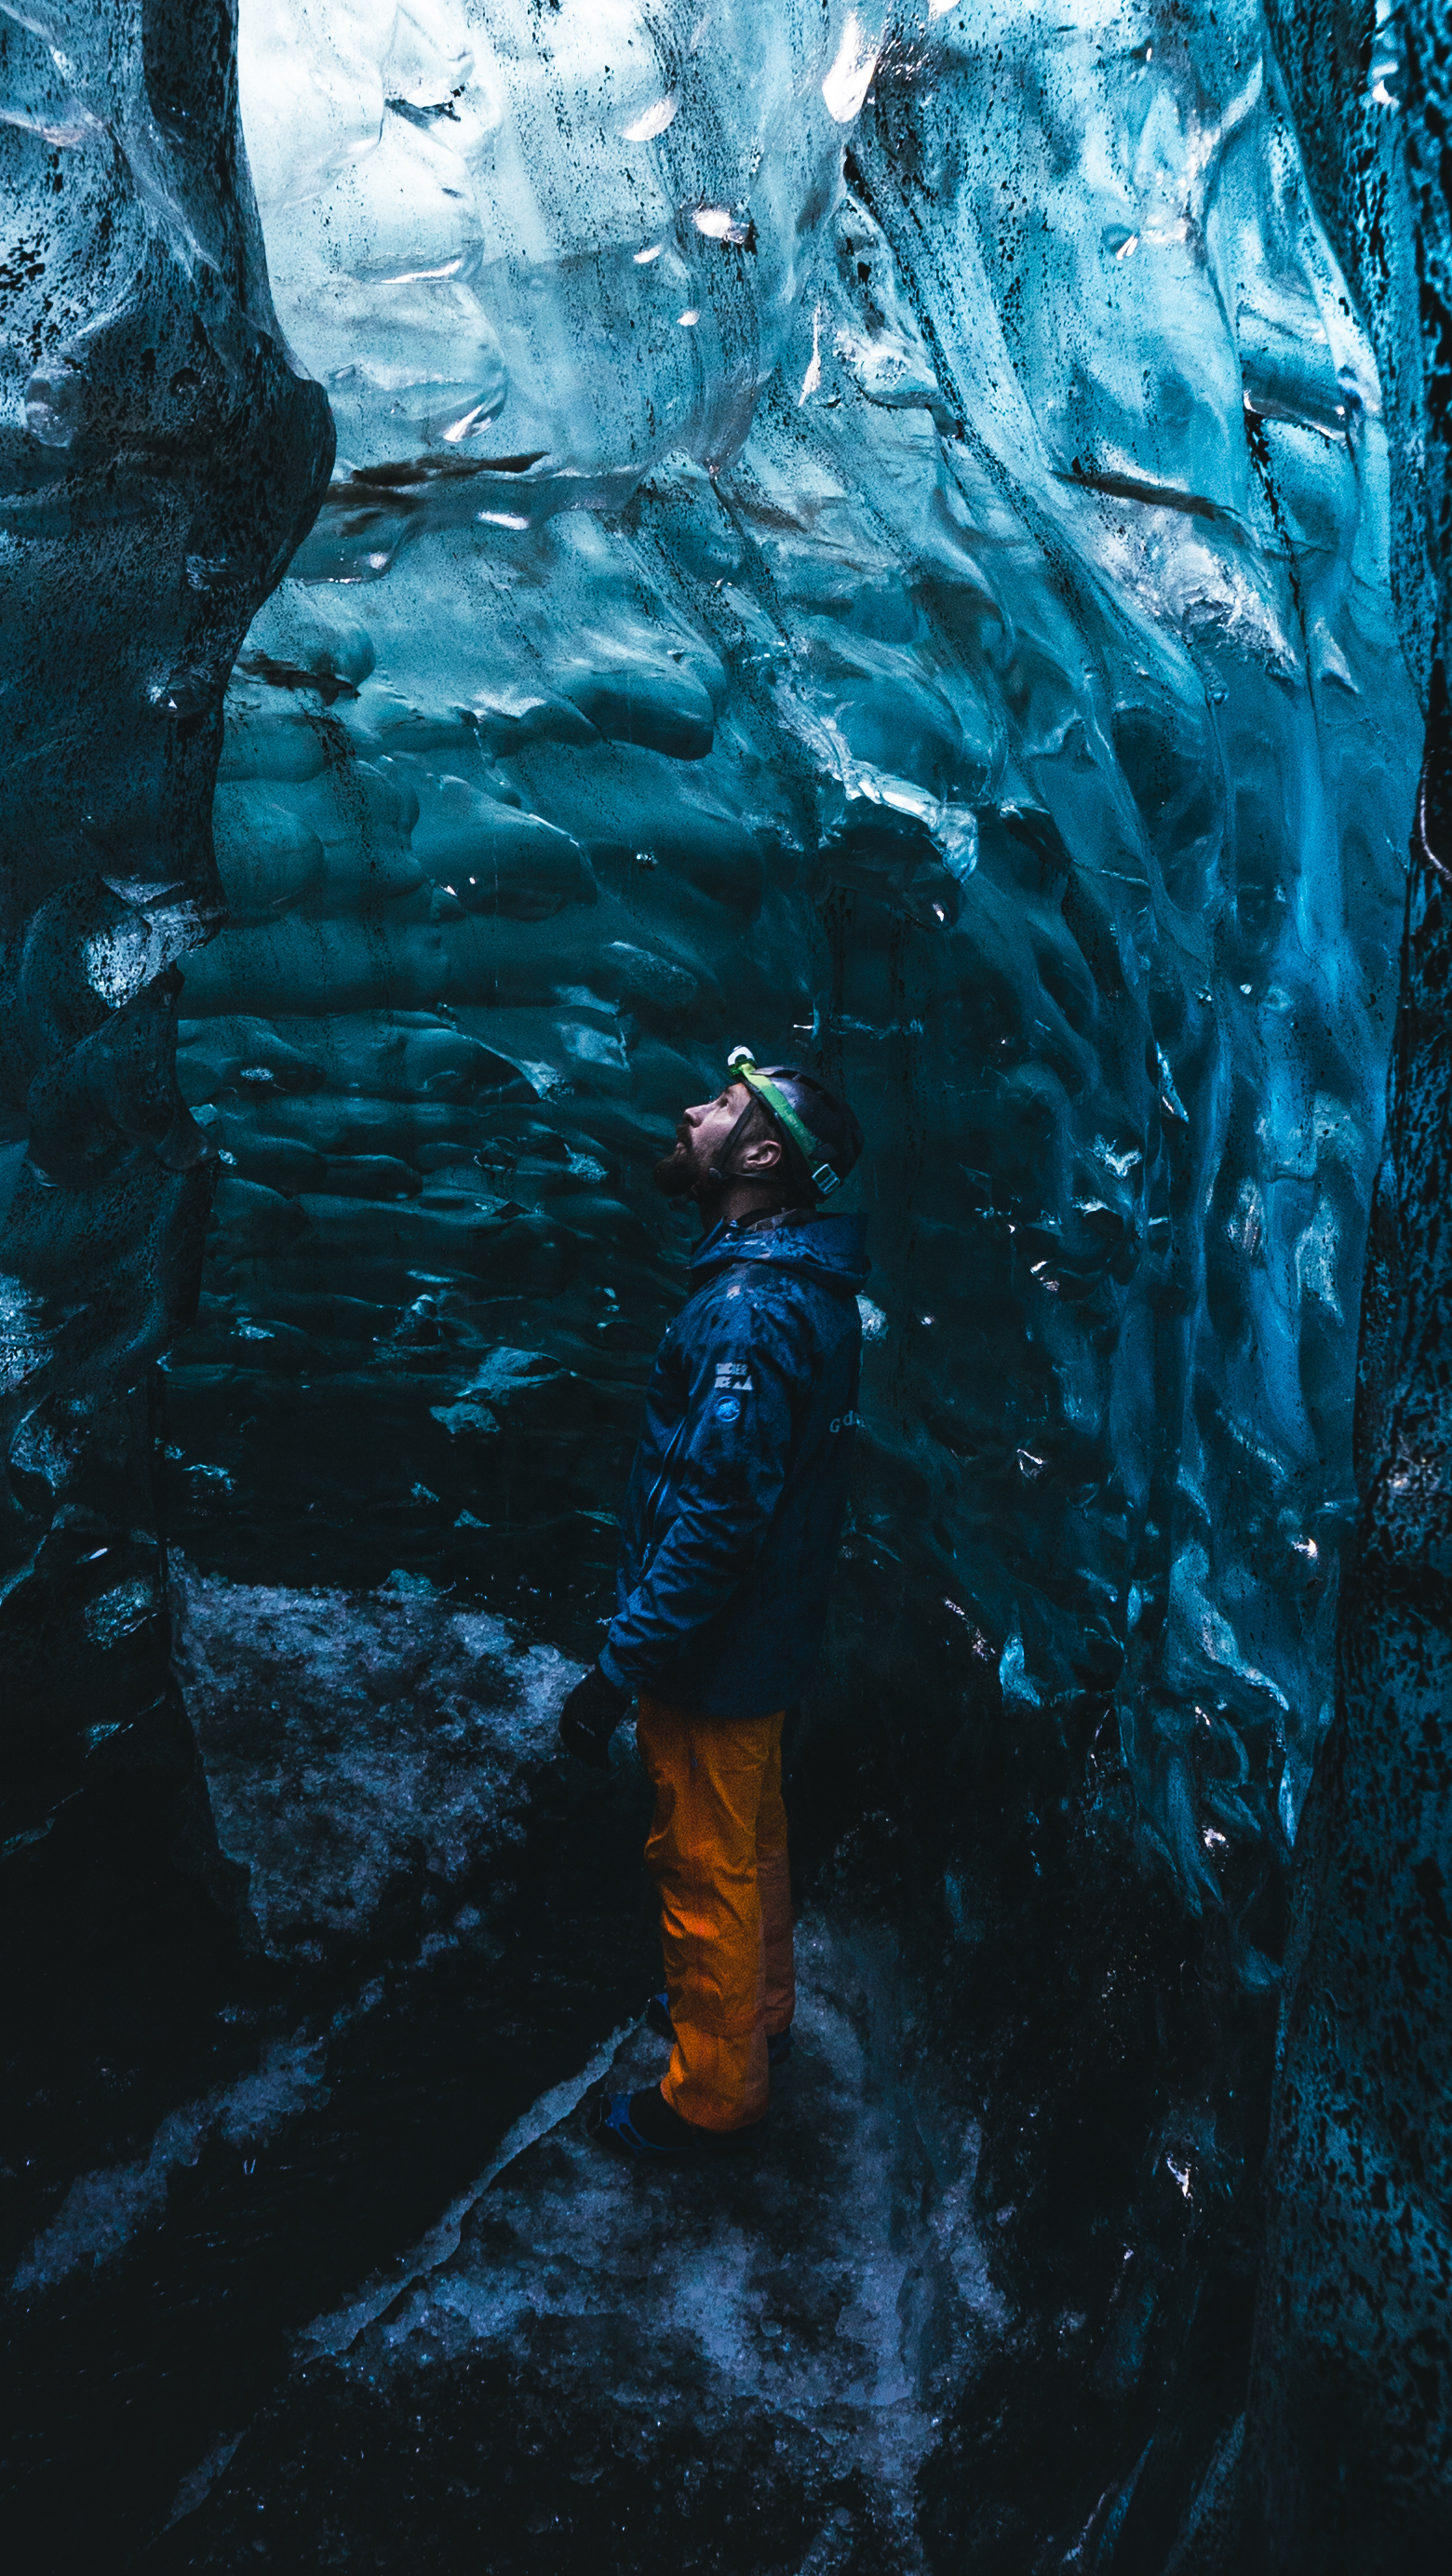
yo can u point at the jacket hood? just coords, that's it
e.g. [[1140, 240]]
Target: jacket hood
[[830, 1249]]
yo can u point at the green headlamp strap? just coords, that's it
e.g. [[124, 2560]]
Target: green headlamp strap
[[741, 1065]]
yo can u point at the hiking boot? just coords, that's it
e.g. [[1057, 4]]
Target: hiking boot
[[643, 2126]]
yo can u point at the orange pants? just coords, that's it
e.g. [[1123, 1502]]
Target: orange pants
[[717, 1851]]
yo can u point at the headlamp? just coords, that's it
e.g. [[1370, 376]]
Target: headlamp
[[742, 1067]]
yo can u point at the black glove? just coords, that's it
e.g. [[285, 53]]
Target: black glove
[[590, 1716]]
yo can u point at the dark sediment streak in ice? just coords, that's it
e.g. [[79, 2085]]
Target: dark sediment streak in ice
[[1348, 2451], [160, 458]]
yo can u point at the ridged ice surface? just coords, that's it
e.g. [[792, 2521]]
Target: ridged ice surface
[[864, 535]]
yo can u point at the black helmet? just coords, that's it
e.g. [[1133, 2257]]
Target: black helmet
[[820, 1133]]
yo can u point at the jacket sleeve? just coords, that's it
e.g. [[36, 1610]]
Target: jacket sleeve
[[744, 1394]]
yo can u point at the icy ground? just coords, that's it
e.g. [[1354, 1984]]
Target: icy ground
[[368, 2293], [354, 1743], [734, 2369]]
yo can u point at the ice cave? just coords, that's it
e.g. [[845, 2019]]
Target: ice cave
[[546, 540]]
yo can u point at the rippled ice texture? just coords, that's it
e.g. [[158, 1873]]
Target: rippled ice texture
[[863, 533]]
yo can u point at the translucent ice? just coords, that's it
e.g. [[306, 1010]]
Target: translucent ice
[[863, 530], [158, 460], [869, 535]]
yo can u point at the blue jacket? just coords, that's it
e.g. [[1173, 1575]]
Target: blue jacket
[[739, 1484]]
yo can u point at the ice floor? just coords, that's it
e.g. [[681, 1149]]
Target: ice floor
[[367, 2292], [727, 2369], [724, 2368]]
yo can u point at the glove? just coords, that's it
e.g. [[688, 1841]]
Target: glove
[[590, 1716]]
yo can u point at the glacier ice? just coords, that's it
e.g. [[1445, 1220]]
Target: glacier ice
[[871, 535], [875, 530], [161, 458], [908, 581], [1346, 2438]]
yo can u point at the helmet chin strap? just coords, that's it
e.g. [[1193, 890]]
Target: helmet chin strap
[[718, 1177]]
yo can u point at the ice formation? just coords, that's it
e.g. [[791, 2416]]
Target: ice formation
[[1348, 2441], [911, 585], [868, 530], [161, 459]]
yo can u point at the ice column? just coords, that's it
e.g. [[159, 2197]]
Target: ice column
[[161, 458], [1349, 2434]]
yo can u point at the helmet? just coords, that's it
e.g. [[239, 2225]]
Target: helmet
[[820, 1133]]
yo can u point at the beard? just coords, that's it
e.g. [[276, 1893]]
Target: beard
[[676, 1175]]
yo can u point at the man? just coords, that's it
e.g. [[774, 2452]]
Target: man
[[730, 1529]]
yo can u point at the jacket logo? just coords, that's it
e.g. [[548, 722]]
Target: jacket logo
[[728, 1410], [845, 1422], [734, 1374]]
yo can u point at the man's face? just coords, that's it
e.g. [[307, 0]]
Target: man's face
[[701, 1137]]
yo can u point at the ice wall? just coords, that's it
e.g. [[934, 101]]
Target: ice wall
[[1348, 2448], [160, 458], [870, 535]]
